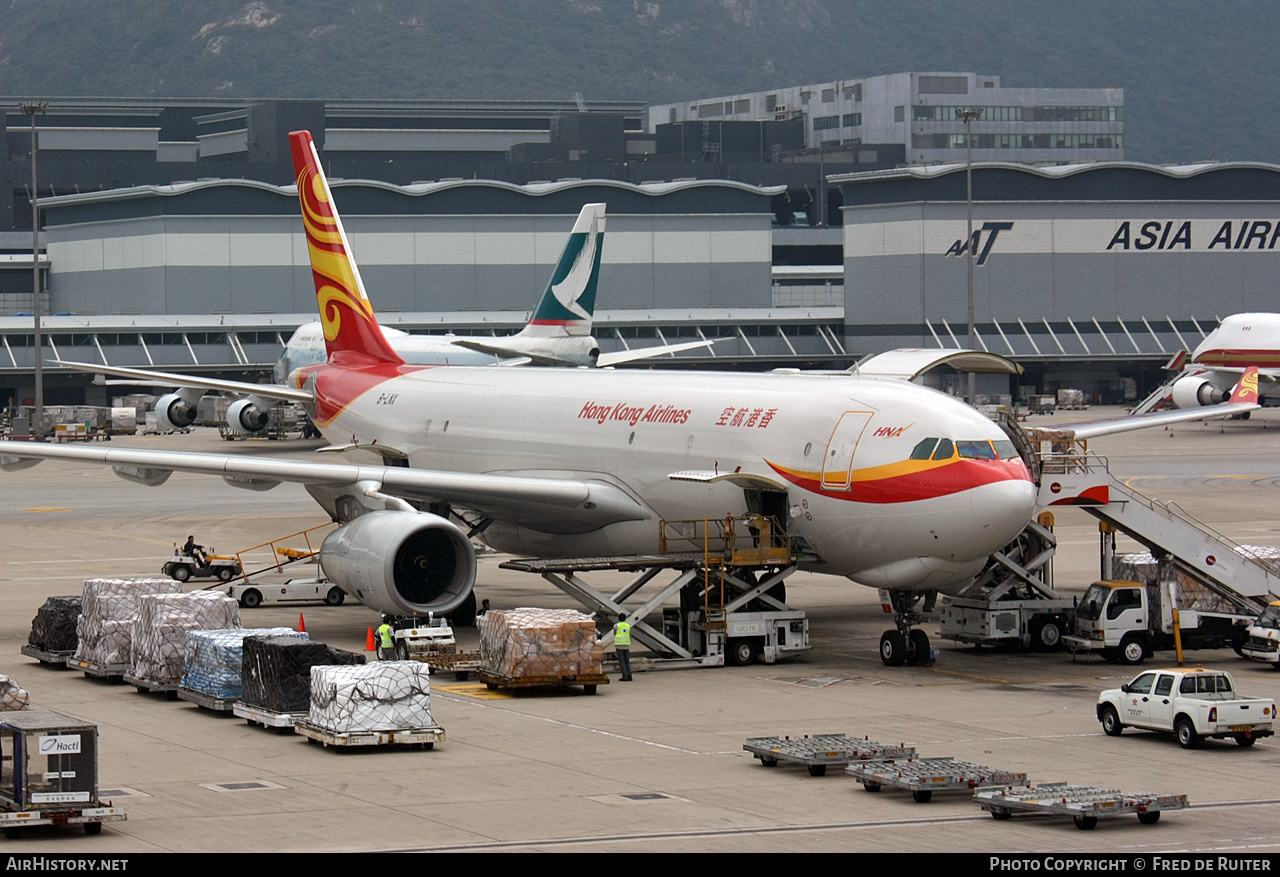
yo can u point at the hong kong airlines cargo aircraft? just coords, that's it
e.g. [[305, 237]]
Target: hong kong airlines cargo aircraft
[[890, 484]]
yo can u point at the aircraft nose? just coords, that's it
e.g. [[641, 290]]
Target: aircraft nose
[[1000, 512]]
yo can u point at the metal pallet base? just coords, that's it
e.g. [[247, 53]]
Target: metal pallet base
[[152, 686], [924, 776], [256, 715], [1086, 804], [55, 659], [819, 751], [206, 701], [111, 672], [425, 738]]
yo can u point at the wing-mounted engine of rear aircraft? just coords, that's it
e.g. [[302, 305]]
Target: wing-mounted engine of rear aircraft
[[1196, 391], [249, 416], [178, 410]]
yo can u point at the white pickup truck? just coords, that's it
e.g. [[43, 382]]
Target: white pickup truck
[[1193, 704]]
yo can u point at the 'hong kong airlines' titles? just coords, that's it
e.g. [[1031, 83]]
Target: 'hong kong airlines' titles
[[633, 414]]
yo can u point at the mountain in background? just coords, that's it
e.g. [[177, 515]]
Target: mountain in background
[[1196, 75]]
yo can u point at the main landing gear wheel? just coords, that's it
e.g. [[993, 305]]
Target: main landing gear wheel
[[893, 649], [917, 647]]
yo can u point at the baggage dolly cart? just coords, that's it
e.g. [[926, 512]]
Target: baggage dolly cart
[[50, 658], [423, 738], [51, 773], [588, 681], [460, 664], [260, 715], [113, 673], [1085, 804], [820, 750], [924, 776], [152, 686], [206, 701]]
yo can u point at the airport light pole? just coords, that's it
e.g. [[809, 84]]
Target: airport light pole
[[34, 109], [969, 116]]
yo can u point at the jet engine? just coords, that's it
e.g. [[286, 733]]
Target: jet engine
[[243, 416], [176, 411], [1194, 392], [401, 563]]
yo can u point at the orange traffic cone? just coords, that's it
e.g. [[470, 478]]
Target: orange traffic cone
[[368, 643], [302, 625]]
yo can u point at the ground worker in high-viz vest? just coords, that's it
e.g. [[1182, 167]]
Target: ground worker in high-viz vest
[[386, 642], [622, 646]]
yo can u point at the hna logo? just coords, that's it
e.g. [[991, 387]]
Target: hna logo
[[981, 247], [889, 431]]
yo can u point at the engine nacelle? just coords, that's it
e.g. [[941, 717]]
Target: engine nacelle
[[401, 563], [175, 412], [1195, 392], [247, 418]]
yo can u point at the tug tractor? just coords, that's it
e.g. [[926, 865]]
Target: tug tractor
[[183, 567]]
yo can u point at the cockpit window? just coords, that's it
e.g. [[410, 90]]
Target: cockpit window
[[976, 450], [1005, 449], [945, 450], [924, 449]]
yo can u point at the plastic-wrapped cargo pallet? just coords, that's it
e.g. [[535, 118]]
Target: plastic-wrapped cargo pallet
[[277, 671], [214, 659], [159, 649], [1143, 567], [12, 696], [54, 627], [108, 609], [382, 696], [523, 643]]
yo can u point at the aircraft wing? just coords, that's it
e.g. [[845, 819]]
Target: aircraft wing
[[1244, 398], [622, 356], [153, 378], [568, 502], [513, 354]]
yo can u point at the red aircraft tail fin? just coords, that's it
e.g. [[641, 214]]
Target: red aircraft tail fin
[[350, 328]]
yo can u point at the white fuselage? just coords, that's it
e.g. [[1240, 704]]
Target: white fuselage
[[1241, 341], [839, 445]]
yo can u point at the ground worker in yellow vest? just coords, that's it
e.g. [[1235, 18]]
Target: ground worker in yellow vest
[[622, 646], [385, 640]]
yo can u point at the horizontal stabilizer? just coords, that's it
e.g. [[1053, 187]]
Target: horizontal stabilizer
[[624, 356]]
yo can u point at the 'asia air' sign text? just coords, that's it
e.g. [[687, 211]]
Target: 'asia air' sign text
[[1187, 234]]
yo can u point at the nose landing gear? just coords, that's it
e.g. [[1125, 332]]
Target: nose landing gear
[[906, 644]]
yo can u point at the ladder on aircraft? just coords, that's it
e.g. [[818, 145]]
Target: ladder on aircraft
[[1158, 395], [1230, 570]]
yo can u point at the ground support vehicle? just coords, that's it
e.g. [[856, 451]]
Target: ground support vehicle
[[256, 715], [819, 751], [1127, 621], [309, 590], [54, 659], [206, 701], [152, 686], [729, 577], [1085, 804], [184, 567], [1193, 704], [113, 673], [423, 738], [51, 773], [589, 681], [1262, 645], [924, 776], [1012, 602], [460, 664]]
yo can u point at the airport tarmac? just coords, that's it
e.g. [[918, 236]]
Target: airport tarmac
[[657, 764]]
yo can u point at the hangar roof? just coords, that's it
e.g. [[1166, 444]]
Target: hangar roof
[[1091, 181], [452, 197]]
